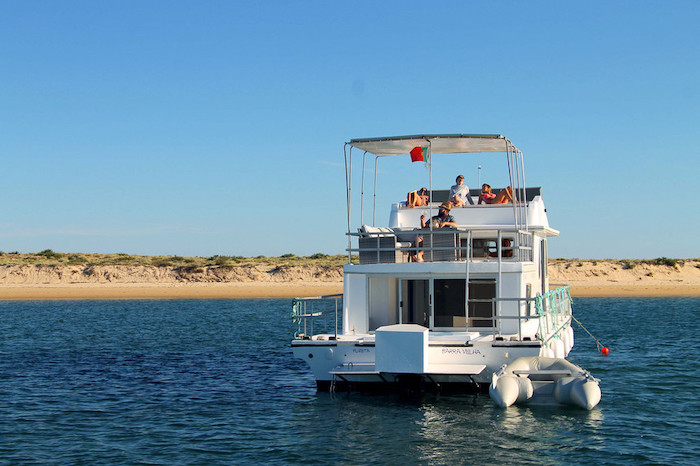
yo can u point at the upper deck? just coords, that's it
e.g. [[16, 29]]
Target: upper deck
[[477, 215], [486, 231]]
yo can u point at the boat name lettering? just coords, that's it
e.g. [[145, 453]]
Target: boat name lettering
[[460, 351], [360, 350]]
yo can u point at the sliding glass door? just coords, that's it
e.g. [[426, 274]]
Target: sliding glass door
[[448, 310], [415, 302]]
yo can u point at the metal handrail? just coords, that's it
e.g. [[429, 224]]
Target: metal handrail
[[522, 249], [305, 314], [552, 310]]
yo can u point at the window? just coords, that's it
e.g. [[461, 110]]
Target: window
[[481, 306], [449, 303], [415, 304], [488, 247], [448, 306]]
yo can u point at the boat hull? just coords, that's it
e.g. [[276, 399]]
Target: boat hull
[[352, 365]]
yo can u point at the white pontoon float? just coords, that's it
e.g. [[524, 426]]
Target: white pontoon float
[[480, 299]]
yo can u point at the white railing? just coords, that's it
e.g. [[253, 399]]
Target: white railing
[[323, 315], [309, 314], [443, 245]]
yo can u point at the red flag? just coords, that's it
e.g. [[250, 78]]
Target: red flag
[[419, 154]]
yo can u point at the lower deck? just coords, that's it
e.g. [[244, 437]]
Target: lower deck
[[394, 353], [452, 358]]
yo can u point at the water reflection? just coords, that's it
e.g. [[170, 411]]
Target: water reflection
[[455, 429]]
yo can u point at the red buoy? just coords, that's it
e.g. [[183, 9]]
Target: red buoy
[[605, 350]]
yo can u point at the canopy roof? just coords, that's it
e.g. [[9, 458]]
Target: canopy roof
[[439, 144]]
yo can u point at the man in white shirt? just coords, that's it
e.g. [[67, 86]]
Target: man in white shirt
[[459, 193]]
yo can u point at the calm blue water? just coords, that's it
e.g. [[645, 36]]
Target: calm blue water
[[213, 381]]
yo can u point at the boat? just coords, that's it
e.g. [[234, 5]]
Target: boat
[[544, 380], [479, 299]]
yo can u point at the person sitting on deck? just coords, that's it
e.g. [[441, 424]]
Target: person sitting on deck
[[506, 249], [486, 196], [417, 198], [504, 197], [459, 193], [442, 219]]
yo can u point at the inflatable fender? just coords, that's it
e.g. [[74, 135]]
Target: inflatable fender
[[564, 335], [571, 337], [546, 352], [558, 347]]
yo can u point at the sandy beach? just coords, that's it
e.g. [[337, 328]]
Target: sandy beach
[[610, 278], [169, 291], [586, 278]]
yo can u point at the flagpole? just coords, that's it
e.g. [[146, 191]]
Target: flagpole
[[430, 168]]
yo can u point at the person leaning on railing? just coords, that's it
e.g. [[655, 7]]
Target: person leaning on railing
[[442, 219]]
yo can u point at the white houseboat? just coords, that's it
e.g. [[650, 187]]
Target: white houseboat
[[479, 299]]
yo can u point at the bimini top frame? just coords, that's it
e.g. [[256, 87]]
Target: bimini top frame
[[437, 144]]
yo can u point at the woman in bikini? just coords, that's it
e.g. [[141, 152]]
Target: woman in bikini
[[486, 196], [417, 198], [505, 196]]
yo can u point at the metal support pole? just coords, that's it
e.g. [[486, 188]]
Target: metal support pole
[[362, 190], [348, 190], [499, 252], [466, 280], [374, 205], [522, 169]]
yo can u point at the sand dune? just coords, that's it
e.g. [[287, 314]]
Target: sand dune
[[587, 278], [619, 278]]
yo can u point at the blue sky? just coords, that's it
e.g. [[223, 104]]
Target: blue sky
[[202, 128]]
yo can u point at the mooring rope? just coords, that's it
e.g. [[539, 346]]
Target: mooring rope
[[599, 346]]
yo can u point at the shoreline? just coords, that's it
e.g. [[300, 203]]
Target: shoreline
[[586, 278], [248, 290], [168, 291]]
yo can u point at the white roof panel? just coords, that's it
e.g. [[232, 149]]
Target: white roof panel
[[439, 144]]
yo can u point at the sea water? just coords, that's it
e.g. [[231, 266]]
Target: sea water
[[214, 382]]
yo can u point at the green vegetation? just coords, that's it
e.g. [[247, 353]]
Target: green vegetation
[[668, 262], [49, 254], [49, 257], [629, 264], [665, 261]]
